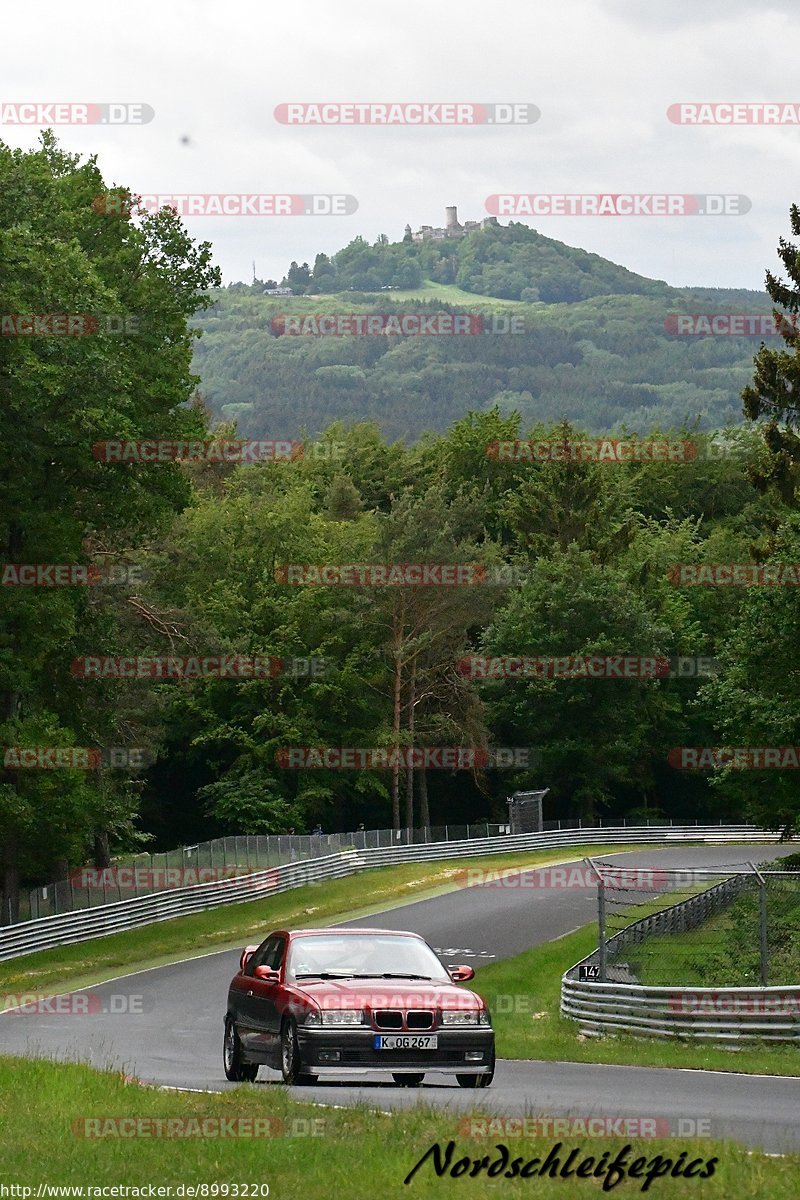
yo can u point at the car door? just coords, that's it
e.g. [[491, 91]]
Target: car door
[[249, 995], [270, 998], [261, 999]]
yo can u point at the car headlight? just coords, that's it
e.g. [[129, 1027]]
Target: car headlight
[[343, 1016], [459, 1017]]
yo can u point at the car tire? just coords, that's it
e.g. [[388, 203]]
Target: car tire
[[236, 1069], [477, 1081], [291, 1066], [408, 1080]]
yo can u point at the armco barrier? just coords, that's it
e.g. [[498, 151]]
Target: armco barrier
[[721, 1014], [716, 1013], [68, 928], [682, 917]]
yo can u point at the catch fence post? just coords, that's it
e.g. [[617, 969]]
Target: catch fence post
[[762, 924], [601, 921]]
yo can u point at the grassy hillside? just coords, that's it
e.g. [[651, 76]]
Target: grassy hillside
[[595, 342]]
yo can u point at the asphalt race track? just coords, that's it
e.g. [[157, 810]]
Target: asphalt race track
[[165, 1025]]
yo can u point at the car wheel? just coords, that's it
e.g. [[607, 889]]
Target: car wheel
[[291, 1067], [477, 1081], [407, 1080], [235, 1069]]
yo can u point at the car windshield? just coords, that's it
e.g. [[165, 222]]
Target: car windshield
[[365, 956]]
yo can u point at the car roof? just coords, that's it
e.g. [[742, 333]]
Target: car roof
[[293, 933]]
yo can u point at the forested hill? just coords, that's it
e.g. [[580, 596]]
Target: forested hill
[[595, 342]]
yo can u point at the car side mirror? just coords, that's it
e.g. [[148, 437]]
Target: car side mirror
[[461, 974], [247, 954], [266, 974]]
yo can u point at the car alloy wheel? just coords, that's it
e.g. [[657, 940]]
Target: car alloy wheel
[[235, 1069], [291, 1067]]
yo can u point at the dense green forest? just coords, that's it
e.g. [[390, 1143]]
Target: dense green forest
[[596, 345], [589, 550]]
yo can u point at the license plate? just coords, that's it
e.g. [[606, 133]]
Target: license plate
[[405, 1041]]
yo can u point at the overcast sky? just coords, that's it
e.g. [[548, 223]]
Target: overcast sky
[[602, 72]]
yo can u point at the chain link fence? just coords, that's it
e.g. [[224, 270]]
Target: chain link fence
[[734, 926], [224, 858]]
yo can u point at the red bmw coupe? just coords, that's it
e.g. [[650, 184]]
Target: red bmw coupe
[[314, 1002]]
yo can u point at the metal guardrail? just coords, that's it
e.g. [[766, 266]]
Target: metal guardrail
[[729, 1014], [681, 917], [722, 1014], [146, 873], [83, 925]]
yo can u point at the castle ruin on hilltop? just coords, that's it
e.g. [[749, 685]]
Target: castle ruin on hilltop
[[452, 229]]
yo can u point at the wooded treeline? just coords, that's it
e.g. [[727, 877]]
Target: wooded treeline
[[592, 545]]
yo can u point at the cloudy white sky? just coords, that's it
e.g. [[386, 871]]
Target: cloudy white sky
[[602, 72]]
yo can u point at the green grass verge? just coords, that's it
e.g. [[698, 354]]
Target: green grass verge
[[353, 1153], [523, 994], [236, 924]]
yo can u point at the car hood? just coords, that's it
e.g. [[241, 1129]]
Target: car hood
[[388, 993]]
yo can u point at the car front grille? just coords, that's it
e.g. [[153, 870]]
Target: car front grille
[[397, 1018], [388, 1018]]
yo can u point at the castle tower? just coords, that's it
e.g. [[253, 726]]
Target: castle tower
[[451, 217]]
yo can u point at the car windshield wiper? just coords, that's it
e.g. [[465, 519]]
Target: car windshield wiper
[[325, 975], [399, 975]]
